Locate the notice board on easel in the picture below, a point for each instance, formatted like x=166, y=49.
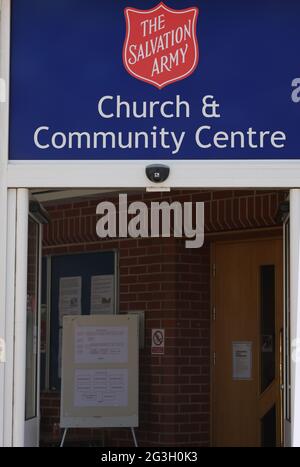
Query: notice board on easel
x=99, y=371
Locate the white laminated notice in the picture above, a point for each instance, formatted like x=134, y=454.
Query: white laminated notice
x=100, y=368
x=69, y=296
x=102, y=295
x=95, y=344
x=101, y=388
x=241, y=360
x=59, y=357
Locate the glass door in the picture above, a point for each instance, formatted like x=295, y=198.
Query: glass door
x=33, y=335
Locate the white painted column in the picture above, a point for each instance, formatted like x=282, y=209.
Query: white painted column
x=295, y=313
x=3, y=211
x=20, y=317
x=4, y=104
x=10, y=316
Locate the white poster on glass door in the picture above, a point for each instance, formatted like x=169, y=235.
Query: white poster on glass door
x=241, y=360
x=102, y=295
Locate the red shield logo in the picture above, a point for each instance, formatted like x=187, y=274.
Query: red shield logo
x=161, y=44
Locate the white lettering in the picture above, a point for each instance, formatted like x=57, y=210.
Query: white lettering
x=177, y=141
x=132, y=50
x=161, y=214
x=100, y=107
x=106, y=226
x=205, y=139
x=296, y=91
x=59, y=136
x=278, y=137
x=36, y=137
x=143, y=109
x=138, y=225
x=198, y=232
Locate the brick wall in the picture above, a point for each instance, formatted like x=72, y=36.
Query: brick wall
x=171, y=283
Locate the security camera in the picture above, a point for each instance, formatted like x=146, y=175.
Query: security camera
x=157, y=173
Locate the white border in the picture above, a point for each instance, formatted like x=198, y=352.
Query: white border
x=5, y=322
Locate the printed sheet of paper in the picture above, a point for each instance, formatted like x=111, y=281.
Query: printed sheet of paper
x=101, y=388
x=241, y=360
x=69, y=297
x=59, y=357
x=107, y=344
x=102, y=295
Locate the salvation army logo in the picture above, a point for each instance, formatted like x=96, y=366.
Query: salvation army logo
x=161, y=44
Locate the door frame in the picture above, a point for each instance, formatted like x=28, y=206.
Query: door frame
x=229, y=238
x=16, y=312
x=32, y=425
x=287, y=334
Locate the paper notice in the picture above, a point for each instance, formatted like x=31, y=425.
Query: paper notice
x=59, y=357
x=242, y=360
x=107, y=344
x=69, y=297
x=102, y=295
x=101, y=388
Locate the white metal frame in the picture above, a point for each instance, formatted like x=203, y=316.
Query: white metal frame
x=4, y=109
x=32, y=426
x=20, y=317
x=86, y=174
x=10, y=317
x=48, y=323
x=286, y=335
x=295, y=314
x=131, y=174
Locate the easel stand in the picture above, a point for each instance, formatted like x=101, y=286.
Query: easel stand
x=66, y=430
x=63, y=438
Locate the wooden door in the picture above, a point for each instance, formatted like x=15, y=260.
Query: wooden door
x=247, y=343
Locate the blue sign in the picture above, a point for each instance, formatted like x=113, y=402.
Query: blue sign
x=142, y=80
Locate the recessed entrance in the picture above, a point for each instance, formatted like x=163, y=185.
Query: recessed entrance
x=247, y=330
x=169, y=285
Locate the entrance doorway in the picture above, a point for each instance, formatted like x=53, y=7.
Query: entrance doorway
x=247, y=343
x=169, y=284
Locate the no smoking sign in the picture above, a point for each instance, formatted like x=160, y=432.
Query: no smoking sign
x=158, y=342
